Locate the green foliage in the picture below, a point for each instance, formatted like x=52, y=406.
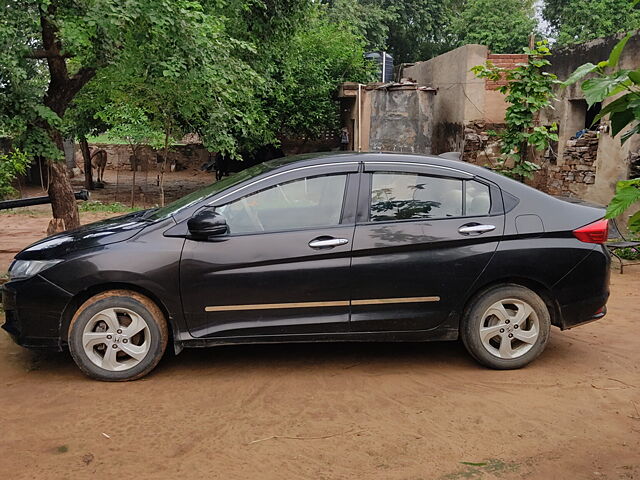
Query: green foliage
x=11, y=165
x=577, y=21
x=606, y=82
x=317, y=59
x=369, y=19
x=627, y=194
x=300, y=58
x=420, y=29
x=97, y=206
x=502, y=26
x=529, y=89
x=410, y=30
x=240, y=74
x=628, y=253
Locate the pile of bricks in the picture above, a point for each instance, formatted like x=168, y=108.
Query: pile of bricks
x=577, y=166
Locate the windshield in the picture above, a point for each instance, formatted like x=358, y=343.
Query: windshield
x=199, y=195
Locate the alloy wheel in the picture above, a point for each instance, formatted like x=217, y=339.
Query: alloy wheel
x=116, y=339
x=509, y=328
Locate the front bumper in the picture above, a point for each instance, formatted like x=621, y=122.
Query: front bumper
x=33, y=312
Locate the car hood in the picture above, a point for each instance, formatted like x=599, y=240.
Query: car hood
x=92, y=235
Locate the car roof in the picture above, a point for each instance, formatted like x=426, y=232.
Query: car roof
x=322, y=158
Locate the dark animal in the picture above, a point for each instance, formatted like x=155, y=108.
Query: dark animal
x=223, y=164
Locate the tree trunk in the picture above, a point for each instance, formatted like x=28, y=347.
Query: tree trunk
x=86, y=156
x=63, y=201
x=61, y=91
x=164, y=165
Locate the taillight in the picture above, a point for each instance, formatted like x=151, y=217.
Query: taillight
x=596, y=232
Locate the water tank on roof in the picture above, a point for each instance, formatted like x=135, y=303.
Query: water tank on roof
x=385, y=65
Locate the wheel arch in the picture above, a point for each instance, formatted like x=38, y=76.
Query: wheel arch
x=539, y=288
x=84, y=295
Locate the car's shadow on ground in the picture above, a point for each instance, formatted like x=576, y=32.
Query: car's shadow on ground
x=374, y=357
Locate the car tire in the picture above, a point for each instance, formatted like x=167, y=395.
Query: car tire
x=506, y=327
x=118, y=335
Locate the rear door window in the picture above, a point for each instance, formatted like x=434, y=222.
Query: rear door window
x=407, y=196
x=404, y=196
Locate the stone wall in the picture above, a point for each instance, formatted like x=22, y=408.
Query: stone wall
x=179, y=157
x=570, y=113
x=481, y=148
x=577, y=168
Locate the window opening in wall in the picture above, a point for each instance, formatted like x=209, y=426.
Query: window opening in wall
x=634, y=166
x=581, y=117
x=591, y=115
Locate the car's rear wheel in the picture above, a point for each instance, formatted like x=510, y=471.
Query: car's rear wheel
x=118, y=335
x=506, y=327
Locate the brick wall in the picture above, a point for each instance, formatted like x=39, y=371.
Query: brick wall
x=501, y=60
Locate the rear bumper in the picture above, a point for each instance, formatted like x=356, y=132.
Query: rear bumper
x=582, y=294
x=33, y=310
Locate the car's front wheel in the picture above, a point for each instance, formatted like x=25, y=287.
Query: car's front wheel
x=506, y=327
x=118, y=335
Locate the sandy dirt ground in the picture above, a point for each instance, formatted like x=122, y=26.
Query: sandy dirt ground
x=327, y=411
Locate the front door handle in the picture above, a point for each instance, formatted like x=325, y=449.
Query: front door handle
x=327, y=242
x=476, y=229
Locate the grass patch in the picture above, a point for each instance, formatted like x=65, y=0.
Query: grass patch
x=97, y=206
x=475, y=470
x=628, y=253
x=62, y=449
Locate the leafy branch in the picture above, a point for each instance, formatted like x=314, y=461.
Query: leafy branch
x=606, y=82
x=528, y=90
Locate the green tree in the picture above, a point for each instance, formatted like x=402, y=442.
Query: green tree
x=529, y=89
x=410, y=30
x=369, y=19
x=576, y=21
x=503, y=26
x=317, y=59
x=11, y=165
x=302, y=56
x=608, y=81
x=420, y=29
x=53, y=48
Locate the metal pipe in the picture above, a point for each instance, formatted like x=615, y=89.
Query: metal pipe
x=359, y=117
x=384, y=63
x=27, y=202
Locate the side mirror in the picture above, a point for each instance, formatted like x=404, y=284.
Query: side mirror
x=207, y=223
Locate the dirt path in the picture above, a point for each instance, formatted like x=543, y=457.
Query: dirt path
x=380, y=411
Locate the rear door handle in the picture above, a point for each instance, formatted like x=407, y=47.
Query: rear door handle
x=476, y=229
x=327, y=242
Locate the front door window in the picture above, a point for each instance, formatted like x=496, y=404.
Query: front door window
x=308, y=202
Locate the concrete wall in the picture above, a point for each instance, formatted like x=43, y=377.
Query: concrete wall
x=460, y=95
x=612, y=162
x=401, y=120
x=462, y=98
x=398, y=118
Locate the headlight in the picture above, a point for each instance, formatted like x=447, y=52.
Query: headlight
x=28, y=268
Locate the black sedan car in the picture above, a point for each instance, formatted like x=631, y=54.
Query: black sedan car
x=323, y=247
